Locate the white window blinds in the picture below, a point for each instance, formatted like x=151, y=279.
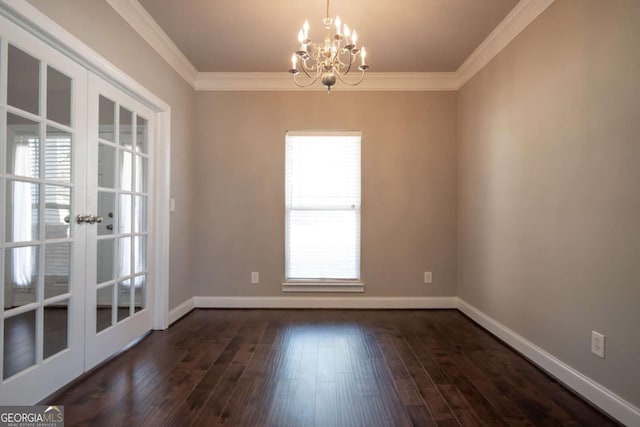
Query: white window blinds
x=322, y=206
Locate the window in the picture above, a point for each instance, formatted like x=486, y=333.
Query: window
x=322, y=206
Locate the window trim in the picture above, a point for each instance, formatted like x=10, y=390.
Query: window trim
x=319, y=284
x=342, y=286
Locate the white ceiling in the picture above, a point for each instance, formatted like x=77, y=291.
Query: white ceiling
x=259, y=35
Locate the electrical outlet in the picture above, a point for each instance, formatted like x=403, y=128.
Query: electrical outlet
x=255, y=277
x=428, y=277
x=597, y=344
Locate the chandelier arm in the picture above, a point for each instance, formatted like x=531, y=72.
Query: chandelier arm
x=304, y=69
x=313, y=80
x=351, y=84
x=350, y=63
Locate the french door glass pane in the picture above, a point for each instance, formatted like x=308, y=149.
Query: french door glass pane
x=106, y=119
x=104, y=306
x=106, y=208
x=142, y=135
x=124, y=256
x=124, y=299
x=124, y=213
x=57, y=155
x=126, y=128
x=57, y=261
x=23, y=146
x=23, y=81
x=22, y=212
x=20, y=276
x=19, y=343
x=58, y=97
x=56, y=328
x=106, y=166
x=140, y=254
x=125, y=172
x=140, y=215
x=106, y=250
x=140, y=292
x=141, y=174
x=57, y=215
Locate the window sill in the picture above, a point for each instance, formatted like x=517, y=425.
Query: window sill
x=322, y=286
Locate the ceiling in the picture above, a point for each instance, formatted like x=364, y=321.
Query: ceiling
x=260, y=35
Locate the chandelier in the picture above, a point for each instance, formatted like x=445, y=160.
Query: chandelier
x=331, y=59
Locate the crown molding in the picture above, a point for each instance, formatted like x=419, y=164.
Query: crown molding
x=512, y=25
x=282, y=81
x=140, y=20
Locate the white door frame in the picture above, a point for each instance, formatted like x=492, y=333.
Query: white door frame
x=44, y=28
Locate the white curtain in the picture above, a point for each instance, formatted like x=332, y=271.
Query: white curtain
x=22, y=263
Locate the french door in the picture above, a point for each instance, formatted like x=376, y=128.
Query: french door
x=119, y=151
x=75, y=160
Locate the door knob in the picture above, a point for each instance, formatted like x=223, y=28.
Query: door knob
x=82, y=218
x=91, y=219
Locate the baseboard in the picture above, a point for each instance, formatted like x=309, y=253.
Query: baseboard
x=326, y=302
x=181, y=310
x=600, y=396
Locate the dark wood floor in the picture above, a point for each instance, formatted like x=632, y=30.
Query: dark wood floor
x=322, y=368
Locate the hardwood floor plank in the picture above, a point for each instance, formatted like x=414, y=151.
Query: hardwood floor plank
x=485, y=384
x=212, y=409
x=437, y=406
x=463, y=411
x=419, y=415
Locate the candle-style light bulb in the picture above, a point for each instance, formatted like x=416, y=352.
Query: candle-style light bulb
x=338, y=25
x=347, y=31
x=305, y=27
x=354, y=37
x=363, y=54
x=294, y=62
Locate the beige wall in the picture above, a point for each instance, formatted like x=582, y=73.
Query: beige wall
x=549, y=196
x=100, y=27
x=408, y=187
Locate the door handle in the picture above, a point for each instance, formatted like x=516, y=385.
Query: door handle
x=91, y=219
